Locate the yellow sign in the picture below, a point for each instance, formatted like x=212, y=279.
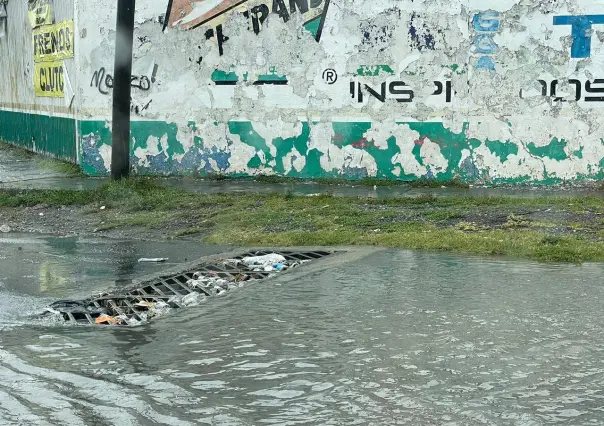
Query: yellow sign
x=40, y=15
x=49, y=80
x=52, y=42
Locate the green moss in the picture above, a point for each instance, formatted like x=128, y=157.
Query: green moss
x=58, y=166
x=16, y=150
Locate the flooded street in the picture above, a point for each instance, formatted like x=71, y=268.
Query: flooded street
x=398, y=338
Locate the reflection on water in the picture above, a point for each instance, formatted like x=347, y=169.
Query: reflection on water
x=52, y=268
x=401, y=337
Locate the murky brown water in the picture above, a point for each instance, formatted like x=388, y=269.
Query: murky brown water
x=399, y=338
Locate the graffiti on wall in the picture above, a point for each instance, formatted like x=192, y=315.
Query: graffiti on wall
x=399, y=120
x=213, y=14
x=103, y=81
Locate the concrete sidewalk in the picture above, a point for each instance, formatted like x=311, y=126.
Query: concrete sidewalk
x=26, y=172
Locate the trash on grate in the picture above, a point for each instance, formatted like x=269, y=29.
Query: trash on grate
x=191, y=299
x=158, y=309
x=268, y=262
x=107, y=319
x=154, y=298
x=263, y=261
x=144, y=305
x=207, y=282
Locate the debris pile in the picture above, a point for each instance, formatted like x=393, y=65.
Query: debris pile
x=152, y=299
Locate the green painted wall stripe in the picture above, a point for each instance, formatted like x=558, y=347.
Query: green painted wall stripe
x=54, y=136
x=273, y=156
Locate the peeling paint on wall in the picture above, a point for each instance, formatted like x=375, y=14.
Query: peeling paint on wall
x=491, y=91
x=42, y=124
x=396, y=90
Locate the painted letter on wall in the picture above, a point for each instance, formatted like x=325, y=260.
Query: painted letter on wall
x=53, y=42
x=49, y=80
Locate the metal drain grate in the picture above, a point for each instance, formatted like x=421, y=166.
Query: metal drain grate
x=153, y=298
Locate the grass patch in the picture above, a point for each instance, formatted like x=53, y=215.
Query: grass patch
x=515, y=221
x=58, y=166
x=55, y=197
x=467, y=226
x=443, y=215
x=15, y=150
x=425, y=222
x=276, y=179
x=216, y=177
x=366, y=181
x=46, y=163
x=188, y=231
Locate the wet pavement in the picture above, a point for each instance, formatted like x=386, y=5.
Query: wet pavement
x=48, y=268
x=24, y=172
x=398, y=337
x=380, y=192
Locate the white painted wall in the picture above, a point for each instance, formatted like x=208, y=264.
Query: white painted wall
x=486, y=106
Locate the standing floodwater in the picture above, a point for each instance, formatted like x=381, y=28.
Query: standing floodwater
x=403, y=337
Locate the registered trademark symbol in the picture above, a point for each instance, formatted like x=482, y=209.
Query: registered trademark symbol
x=330, y=76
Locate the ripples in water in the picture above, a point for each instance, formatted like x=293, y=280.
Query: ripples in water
x=399, y=338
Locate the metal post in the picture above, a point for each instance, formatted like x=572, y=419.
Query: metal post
x=122, y=72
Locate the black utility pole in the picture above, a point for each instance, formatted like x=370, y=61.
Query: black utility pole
x=122, y=72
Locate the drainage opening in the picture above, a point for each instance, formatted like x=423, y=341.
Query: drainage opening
x=137, y=305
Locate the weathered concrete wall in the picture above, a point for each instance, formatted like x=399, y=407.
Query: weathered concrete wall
x=489, y=91
x=35, y=120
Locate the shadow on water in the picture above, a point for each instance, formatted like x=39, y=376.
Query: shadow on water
x=126, y=259
x=121, y=255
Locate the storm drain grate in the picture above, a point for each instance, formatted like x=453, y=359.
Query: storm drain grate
x=153, y=298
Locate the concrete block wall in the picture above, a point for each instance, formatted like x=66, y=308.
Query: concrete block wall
x=502, y=91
